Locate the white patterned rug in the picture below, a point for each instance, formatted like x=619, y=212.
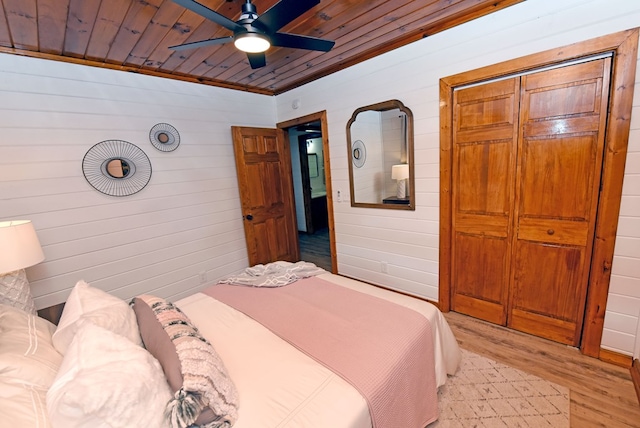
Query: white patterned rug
x=488, y=394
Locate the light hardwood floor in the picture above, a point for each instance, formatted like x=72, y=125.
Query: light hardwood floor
x=602, y=394
x=315, y=248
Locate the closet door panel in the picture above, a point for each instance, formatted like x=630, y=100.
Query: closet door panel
x=480, y=266
x=560, y=149
x=481, y=168
x=558, y=175
x=485, y=132
x=538, y=271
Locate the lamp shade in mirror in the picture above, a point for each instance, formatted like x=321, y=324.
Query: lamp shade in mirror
x=400, y=172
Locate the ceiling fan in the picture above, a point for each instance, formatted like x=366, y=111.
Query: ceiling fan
x=254, y=34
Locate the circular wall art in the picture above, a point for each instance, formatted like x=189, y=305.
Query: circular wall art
x=164, y=137
x=358, y=153
x=116, y=168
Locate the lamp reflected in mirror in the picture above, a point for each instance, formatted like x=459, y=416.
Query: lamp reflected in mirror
x=400, y=173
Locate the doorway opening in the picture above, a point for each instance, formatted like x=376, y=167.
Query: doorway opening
x=306, y=138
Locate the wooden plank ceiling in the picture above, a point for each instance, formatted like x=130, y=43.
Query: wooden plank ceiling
x=134, y=35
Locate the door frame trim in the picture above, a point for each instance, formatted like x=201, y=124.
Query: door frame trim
x=322, y=117
x=624, y=46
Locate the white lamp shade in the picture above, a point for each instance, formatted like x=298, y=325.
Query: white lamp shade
x=400, y=172
x=19, y=246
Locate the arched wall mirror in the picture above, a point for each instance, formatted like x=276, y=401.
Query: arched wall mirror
x=380, y=145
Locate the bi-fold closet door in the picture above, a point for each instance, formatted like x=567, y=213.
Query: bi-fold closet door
x=527, y=161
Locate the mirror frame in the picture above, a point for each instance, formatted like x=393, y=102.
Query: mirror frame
x=164, y=137
x=95, y=167
x=385, y=106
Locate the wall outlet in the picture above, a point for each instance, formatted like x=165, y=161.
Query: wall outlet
x=203, y=277
x=383, y=267
x=339, y=196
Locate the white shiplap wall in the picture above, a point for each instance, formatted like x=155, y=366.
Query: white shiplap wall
x=185, y=224
x=408, y=241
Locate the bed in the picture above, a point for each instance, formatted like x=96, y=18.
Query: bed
x=100, y=373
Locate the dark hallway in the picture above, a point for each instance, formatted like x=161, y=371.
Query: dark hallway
x=315, y=248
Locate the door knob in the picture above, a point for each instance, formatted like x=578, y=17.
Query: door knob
x=551, y=232
x=249, y=217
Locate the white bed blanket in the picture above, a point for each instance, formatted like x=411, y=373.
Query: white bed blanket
x=281, y=387
x=274, y=274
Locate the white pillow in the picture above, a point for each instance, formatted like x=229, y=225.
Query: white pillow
x=28, y=366
x=22, y=404
x=26, y=352
x=87, y=303
x=107, y=381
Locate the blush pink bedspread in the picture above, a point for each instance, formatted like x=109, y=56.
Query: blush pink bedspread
x=384, y=350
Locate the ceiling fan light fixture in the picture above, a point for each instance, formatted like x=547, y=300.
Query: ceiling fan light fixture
x=254, y=34
x=251, y=42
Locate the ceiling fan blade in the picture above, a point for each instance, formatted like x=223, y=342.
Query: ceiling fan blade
x=284, y=12
x=257, y=60
x=202, y=43
x=296, y=41
x=209, y=14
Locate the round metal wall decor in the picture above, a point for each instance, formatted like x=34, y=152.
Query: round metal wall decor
x=358, y=153
x=116, y=168
x=164, y=137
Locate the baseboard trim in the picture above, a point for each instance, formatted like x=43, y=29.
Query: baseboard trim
x=616, y=358
x=635, y=377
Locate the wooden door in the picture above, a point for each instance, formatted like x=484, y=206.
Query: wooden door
x=527, y=160
x=563, y=116
x=264, y=177
x=484, y=163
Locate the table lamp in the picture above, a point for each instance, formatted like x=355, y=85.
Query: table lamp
x=400, y=173
x=19, y=249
